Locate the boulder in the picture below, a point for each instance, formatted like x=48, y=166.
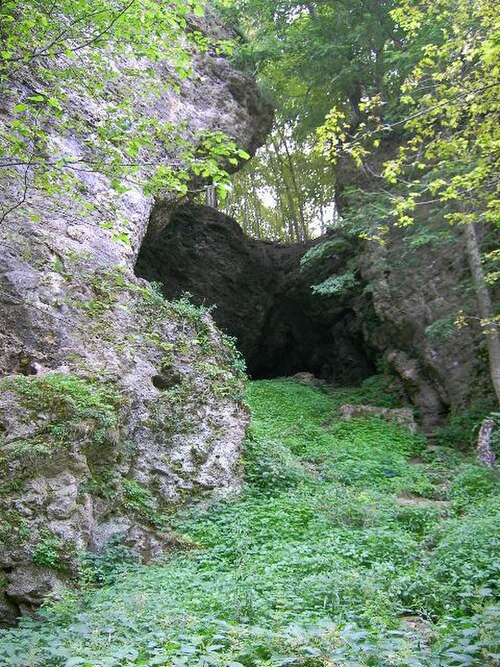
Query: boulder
x=400, y=416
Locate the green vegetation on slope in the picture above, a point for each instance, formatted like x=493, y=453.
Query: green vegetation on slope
x=352, y=544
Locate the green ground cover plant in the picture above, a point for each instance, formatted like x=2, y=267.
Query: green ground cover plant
x=74, y=407
x=351, y=544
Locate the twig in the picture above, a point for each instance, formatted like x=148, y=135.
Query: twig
x=423, y=112
x=24, y=195
x=64, y=32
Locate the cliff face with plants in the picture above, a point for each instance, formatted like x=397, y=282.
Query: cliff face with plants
x=418, y=289
x=427, y=332
x=114, y=404
x=336, y=306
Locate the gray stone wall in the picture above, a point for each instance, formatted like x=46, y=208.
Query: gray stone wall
x=113, y=404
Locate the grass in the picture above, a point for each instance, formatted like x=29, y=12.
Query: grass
x=344, y=549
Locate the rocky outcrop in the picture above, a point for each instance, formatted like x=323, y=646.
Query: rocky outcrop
x=113, y=403
x=400, y=416
x=262, y=296
x=399, y=311
x=418, y=287
x=419, y=282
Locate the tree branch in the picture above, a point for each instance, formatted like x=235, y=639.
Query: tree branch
x=25, y=187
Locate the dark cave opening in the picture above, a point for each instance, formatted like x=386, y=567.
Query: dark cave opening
x=262, y=297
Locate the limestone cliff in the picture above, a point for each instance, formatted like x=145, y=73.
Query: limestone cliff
x=113, y=403
x=419, y=280
x=417, y=291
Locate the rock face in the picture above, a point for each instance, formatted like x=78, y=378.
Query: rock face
x=399, y=312
x=419, y=281
x=401, y=416
x=417, y=291
x=262, y=297
x=113, y=403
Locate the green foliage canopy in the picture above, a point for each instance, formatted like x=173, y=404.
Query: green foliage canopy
x=64, y=63
x=312, y=55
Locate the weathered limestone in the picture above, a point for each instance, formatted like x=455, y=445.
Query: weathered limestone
x=400, y=416
x=113, y=404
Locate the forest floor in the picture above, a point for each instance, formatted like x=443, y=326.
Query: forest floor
x=352, y=544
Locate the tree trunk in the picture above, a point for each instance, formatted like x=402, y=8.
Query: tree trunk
x=322, y=228
x=298, y=194
x=211, y=197
x=257, y=210
x=312, y=11
x=484, y=305
x=292, y=218
x=484, y=452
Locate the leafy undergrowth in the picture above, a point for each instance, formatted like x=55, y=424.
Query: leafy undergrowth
x=351, y=545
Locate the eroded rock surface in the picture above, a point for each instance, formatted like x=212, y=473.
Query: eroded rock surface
x=113, y=404
x=400, y=416
x=417, y=291
x=419, y=282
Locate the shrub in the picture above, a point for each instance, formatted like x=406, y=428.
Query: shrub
x=49, y=553
x=336, y=284
x=270, y=466
x=472, y=484
x=99, y=569
x=461, y=429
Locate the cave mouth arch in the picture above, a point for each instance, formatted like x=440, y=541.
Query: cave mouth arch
x=262, y=297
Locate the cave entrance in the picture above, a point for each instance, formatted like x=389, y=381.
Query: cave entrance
x=262, y=297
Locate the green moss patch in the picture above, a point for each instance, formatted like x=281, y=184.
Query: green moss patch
x=68, y=408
